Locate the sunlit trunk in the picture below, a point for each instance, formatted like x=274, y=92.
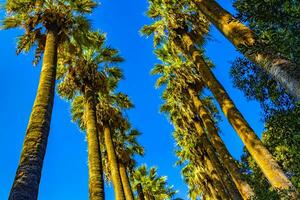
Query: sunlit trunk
x=125, y=182
x=282, y=70
x=229, y=163
x=28, y=175
x=96, y=186
x=113, y=163
x=214, y=166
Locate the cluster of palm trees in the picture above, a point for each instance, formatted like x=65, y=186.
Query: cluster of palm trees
x=87, y=73
x=179, y=30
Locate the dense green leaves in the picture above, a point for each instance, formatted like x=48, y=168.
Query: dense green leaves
x=39, y=17
x=154, y=186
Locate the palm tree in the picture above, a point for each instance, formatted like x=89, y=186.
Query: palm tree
x=174, y=27
x=82, y=74
x=154, y=187
x=110, y=118
x=126, y=147
x=243, y=38
x=47, y=25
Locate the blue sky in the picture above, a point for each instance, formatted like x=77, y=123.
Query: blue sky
x=65, y=172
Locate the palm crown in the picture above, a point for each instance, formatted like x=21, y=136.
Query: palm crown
x=38, y=17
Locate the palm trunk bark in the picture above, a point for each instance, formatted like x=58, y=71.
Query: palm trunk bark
x=253, y=144
x=140, y=192
x=100, y=161
x=203, y=176
x=229, y=163
x=211, y=187
x=125, y=182
x=282, y=70
x=28, y=175
x=96, y=186
x=214, y=164
x=112, y=159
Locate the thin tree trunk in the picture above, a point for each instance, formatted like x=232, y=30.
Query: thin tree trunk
x=229, y=163
x=209, y=162
x=96, y=186
x=125, y=182
x=282, y=70
x=214, y=165
x=100, y=161
x=112, y=159
x=28, y=175
x=202, y=175
x=140, y=192
x=253, y=144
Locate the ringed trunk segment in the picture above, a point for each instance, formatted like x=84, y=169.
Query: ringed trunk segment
x=112, y=160
x=28, y=175
x=101, y=164
x=96, y=186
x=125, y=182
x=261, y=155
x=282, y=70
x=140, y=192
x=244, y=188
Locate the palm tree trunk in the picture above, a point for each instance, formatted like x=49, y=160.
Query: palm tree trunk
x=253, y=144
x=149, y=197
x=214, y=166
x=140, y=192
x=282, y=70
x=28, y=175
x=229, y=163
x=203, y=176
x=96, y=186
x=100, y=162
x=125, y=182
x=213, y=191
x=112, y=159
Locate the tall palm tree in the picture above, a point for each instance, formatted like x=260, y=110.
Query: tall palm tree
x=110, y=117
x=82, y=74
x=47, y=25
x=243, y=38
x=127, y=146
x=172, y=26
x=154, y=187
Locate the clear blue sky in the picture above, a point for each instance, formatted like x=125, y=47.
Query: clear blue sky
x=65, y=172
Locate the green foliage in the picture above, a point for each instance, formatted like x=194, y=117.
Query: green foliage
x=38, y=17
x=152, y=184
x=276, y=22
x=257, y=85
